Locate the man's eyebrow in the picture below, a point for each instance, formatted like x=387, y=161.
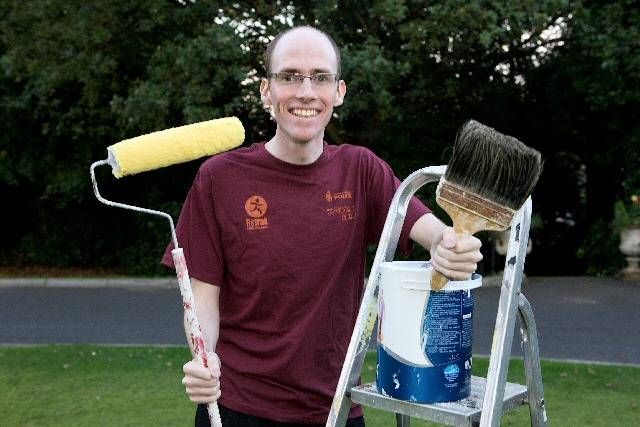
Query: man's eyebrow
x=288, y=70
x=297, y=71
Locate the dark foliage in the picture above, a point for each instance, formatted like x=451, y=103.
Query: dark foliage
x=77, y=76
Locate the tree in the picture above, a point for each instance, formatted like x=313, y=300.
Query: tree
x=82, y=76
x=560, y=75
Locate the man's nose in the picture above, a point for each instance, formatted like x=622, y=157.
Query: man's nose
x=306, y=89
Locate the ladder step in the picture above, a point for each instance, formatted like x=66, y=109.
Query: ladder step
x=463, y=413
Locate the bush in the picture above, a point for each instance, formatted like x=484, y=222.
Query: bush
x=599, y=250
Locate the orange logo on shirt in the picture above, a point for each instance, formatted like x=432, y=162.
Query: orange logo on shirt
x=345, y=212
x=256, y=208
x=328, y=197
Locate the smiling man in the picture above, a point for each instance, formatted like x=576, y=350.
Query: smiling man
x=275, y=236
x=302, y=88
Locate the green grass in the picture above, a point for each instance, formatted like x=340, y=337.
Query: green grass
x=80, y=385
x=93, y=386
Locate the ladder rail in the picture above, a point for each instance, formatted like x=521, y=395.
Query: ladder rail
x=368, y=312
x=533, y=373
x=403, y=420
x=506, y=317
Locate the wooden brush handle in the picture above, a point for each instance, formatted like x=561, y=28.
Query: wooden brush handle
x=465, y=223
x=438, y=280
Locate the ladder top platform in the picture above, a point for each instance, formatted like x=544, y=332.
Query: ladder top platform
x=463, y=413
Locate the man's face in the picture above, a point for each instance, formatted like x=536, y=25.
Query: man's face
x=302, y=111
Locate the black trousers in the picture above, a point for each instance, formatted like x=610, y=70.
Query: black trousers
x=231, y=418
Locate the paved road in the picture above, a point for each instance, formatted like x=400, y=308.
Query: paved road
x=580, y=318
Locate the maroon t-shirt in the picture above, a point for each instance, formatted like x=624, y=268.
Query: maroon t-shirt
x=286, y=243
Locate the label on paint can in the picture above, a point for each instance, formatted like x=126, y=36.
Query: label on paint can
x=451, y=372
x=448, y=326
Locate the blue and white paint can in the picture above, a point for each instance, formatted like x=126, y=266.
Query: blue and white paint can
x=424, y=336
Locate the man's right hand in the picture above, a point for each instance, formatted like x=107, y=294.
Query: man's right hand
x=202, y=384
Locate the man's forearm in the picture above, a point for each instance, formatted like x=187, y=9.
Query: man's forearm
x=426, y=230
x=206, y=297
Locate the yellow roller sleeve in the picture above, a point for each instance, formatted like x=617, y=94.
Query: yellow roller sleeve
x=176, y=145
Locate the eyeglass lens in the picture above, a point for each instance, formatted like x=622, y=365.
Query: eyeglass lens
x=319, y=79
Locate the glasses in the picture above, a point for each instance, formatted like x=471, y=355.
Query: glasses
x=295, y=79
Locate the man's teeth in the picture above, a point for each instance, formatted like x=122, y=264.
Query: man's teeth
x=304, y=113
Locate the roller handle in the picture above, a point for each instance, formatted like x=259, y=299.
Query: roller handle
x=195, y=332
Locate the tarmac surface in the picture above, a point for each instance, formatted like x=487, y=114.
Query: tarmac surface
x=578, y=318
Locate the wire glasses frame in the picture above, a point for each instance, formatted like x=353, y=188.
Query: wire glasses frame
x=296, y=79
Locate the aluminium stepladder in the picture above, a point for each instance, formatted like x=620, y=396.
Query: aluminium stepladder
x=489, y=397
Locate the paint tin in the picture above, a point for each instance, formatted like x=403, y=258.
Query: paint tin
x=424, y=336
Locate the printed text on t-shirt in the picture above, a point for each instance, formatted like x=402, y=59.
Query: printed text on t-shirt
x=345, y=212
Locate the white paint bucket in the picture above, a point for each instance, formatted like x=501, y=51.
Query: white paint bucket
x=424, y=336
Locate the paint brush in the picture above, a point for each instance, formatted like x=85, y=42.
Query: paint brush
x=489, y=177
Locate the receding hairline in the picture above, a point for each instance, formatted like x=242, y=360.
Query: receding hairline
x=271, y=47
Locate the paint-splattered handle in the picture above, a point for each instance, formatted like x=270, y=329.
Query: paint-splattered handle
x=195, y=332
x=214, y=415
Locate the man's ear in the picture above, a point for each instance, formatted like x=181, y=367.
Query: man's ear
x=342, y=91
x=265, y=93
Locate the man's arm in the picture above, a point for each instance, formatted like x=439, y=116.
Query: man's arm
x=207, y=300
x=202, y=384
x=455, y=257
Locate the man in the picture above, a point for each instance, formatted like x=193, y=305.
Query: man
x=275, y=236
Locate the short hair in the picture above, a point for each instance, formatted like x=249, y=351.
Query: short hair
x=272, y=45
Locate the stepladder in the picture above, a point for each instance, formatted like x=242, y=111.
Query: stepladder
x=490, y=397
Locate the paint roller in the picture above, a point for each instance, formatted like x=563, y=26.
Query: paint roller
x=164, y=148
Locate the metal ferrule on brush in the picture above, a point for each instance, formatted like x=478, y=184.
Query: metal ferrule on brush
x=474, y=204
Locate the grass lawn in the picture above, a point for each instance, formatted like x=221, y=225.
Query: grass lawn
x=82, y=385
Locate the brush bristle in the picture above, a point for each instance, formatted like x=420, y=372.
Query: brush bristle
x=492, y=165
